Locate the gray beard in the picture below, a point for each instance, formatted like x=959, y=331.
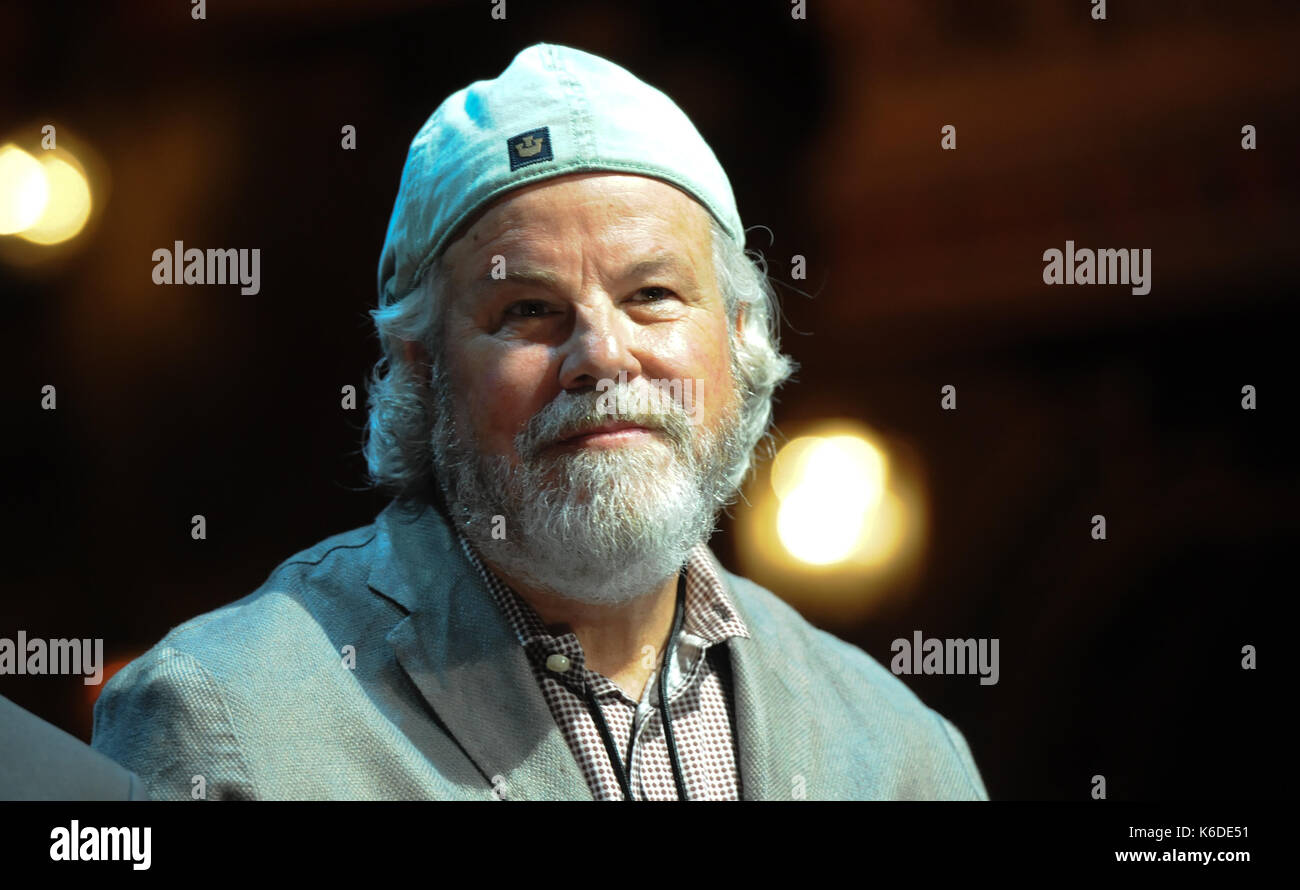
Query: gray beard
x=600, y=526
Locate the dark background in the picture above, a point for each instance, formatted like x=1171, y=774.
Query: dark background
x=1119, y=657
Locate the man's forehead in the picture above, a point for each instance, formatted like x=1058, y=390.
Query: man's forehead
x=625, y=223
x=656, y=264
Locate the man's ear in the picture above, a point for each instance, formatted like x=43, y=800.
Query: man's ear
x=740, y=318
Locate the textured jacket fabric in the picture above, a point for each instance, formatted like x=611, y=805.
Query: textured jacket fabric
x=375, y=665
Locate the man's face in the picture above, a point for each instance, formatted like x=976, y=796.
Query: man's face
x=602, y=283
x=603, y=274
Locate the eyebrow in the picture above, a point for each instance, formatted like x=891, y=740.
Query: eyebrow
x=659, y=263
x=526, y=275
x=538, y=277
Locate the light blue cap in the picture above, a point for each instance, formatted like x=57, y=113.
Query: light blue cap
x=554, y=110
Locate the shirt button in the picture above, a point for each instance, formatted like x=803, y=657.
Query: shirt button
x=557, y=662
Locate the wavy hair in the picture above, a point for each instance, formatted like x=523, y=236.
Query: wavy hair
x=397, y=438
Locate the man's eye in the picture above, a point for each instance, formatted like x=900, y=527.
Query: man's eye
x=654, y=294
x=527, y=309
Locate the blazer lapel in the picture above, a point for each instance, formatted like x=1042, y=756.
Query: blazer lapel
x=460, y=653
x=774, y=729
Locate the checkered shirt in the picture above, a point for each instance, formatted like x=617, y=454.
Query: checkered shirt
x=699, y=694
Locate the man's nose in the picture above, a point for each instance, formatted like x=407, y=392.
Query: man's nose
x=598, y=348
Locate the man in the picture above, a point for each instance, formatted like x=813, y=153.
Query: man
x=579, y=361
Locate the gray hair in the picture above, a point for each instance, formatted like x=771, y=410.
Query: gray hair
x=397, y=443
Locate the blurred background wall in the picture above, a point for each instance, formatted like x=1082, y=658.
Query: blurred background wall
x=924, y=269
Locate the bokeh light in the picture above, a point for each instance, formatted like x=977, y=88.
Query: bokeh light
x=24, y=190
x=838, y=522
x=830, y=491
x=68, y=206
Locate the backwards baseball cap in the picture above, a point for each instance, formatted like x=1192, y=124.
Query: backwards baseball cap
x=554, y=110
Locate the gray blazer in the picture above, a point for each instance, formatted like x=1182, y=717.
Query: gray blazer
x=263, y=699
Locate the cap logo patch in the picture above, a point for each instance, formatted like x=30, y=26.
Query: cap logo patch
x=531, y=147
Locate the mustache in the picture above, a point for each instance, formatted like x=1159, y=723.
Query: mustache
x=569, y=413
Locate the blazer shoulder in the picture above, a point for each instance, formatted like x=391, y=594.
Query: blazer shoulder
x=320, y=584
x=204, y=693
x=779, y=622
x=349, y=550
x=167, y=720
x=868, y=694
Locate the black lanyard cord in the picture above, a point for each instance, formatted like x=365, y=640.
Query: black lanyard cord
x=678, y=617
x=624, y=775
